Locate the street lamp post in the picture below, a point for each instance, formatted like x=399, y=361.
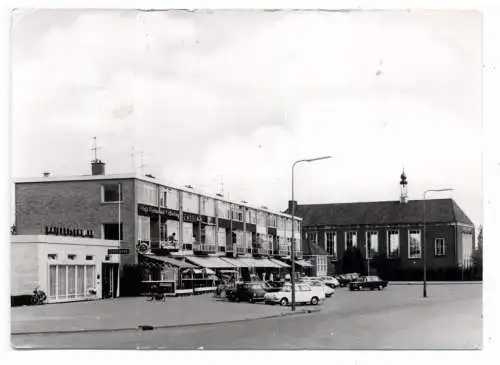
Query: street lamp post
x=424, y=245
x=292, y=250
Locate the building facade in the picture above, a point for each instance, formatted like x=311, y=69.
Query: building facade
x=393, y=230
x=64, y=268
x=148, y=217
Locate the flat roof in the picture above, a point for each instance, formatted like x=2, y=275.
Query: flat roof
x=64, y=240
x=42, y=179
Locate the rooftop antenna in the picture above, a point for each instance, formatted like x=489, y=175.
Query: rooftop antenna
x=132, y=156
x=94, y=148
x=142, y=163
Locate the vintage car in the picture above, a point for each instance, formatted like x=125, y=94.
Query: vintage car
x=328, y=290
x=248, y=292
x=330, y=281
x=304, y=294
x=371, y=282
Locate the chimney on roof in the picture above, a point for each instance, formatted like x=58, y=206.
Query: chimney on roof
x=404, y=188
x=46, y=174
x=98, y=167
x=291, y=203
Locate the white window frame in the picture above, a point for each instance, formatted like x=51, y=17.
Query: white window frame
x=438, y=240
x=321, y=265
x=368, y=241
x=388, y=234
x=334, y=234
x=409, y=244
x=312, y=236
x=353, y=234
x=120, y=189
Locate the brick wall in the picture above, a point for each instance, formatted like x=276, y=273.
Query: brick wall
x=75, y=204
x=448, y=232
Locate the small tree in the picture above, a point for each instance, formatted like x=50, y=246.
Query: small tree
x=477, y=255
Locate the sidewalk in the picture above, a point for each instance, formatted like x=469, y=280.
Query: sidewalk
x=434, y=282
x=130, y=313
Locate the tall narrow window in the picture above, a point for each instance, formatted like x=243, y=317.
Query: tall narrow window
x=80, y=281
x=439, y=247
x=61, y=281
x=331, y=243
x=372, y=243
x=414, y=244
x=312, y=237
x=71, y=281
x=52, y=281
x=393, y=243
x=351, y=239
x=89, y=278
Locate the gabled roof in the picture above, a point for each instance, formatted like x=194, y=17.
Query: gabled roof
x=384, y=212
x=311, y=249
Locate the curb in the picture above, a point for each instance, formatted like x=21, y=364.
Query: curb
x=435, y=282
x=145, y=327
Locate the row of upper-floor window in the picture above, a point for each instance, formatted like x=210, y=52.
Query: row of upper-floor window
x=372, y=241
x=195, y=203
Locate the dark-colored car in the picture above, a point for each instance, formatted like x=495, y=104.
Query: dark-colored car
x=273, y=286
x=247, y=292
x=371, y=282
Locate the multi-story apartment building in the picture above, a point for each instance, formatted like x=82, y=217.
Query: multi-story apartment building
x=147, y=216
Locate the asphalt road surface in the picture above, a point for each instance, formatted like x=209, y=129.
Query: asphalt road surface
x=395, y=318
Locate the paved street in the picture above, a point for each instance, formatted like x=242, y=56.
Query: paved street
x=396, y=318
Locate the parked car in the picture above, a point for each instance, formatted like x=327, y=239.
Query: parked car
x=343, y=280
x=303, y=294
x=250, y=292
x=328, y=290
x=273, y=286
x=371, y=282
x=330, y=281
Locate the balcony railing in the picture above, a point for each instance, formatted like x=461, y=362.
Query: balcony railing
x=284, y=252
x=187, y=246
x=204, y=248
x=259, y=250
x=240, y=250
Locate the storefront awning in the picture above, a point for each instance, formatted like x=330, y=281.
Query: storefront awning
x=303, y=263
x=168, y=260
x=235, y=262
x=210, y=262
x=281, y=264
x=260, y=263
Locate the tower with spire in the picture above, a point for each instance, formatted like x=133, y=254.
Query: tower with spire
x=404, y=188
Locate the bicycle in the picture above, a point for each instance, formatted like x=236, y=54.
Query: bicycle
x=38, y=297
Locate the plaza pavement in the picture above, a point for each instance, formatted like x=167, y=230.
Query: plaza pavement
x=130, y=313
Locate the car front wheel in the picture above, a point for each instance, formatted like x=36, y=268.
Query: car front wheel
x=284, y=302
x=380, y=287
x=314, y=300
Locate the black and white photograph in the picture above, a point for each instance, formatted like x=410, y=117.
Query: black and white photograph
x=246, y=179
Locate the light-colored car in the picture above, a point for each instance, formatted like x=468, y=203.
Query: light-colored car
x=330, y=281
x=304, y=293
x=329, y=291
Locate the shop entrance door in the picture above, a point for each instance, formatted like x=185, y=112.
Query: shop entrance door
x=109, y=280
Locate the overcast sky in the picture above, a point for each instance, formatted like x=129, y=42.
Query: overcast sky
x=235, y=97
